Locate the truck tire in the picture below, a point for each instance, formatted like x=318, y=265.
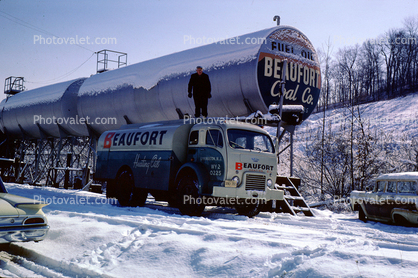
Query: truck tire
x=110, y=189
x=125, y=187
x=140, y=197
x=127, y=194
x=250, y=210
x=188, y=198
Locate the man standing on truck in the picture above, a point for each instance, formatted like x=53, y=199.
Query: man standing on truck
x=199, y=84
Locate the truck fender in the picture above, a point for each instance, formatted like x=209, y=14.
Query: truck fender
x=199, y=170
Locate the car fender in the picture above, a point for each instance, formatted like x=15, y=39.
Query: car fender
x=410, y=216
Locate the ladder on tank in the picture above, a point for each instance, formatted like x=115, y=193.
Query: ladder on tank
x=293, y=202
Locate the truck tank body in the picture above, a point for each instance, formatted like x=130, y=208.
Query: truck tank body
x=244, y=71
x=154, y=151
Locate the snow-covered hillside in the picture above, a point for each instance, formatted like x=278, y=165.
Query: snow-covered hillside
x=380, y=137
x=91, y=237
x=396, y=118
x=397, y=115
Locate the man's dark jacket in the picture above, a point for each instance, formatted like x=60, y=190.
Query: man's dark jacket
x=200, y=85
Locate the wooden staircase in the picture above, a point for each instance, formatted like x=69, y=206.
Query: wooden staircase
x=293, y=202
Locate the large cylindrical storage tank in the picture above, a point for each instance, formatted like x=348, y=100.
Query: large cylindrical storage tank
x=244, y=71
x=49, y=111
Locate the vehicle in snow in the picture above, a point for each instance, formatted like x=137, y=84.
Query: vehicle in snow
x=394, y=199
x=21, y=219
x=190, y=165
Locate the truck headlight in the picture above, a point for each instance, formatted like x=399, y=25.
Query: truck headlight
x=269, y=183
x=236, y=179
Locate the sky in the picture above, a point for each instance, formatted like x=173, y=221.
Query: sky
x=49, y=41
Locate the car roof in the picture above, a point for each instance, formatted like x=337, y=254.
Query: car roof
x=405, y=176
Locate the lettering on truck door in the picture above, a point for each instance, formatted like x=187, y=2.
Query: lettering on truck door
x=213, y=156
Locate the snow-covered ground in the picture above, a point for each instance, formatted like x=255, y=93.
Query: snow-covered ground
x=91, y=237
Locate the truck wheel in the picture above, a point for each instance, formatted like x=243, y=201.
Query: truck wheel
x=110, y=189
x=362, y=215
x=250, y=210
x=140, y=197
x=125, y=190
x=188, y=199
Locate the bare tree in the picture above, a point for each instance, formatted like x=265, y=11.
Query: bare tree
x=347, y=58
x=371, y=64
x=326, y=89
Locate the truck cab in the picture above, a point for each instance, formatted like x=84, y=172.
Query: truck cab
x=191, y=165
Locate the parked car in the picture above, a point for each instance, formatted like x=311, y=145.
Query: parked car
x=394, y=199
x=21, y=219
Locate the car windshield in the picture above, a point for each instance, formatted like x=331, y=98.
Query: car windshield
x=249, y=140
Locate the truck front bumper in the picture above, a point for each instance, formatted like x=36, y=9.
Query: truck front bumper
x=241, y=193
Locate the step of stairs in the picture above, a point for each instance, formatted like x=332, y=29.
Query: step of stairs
x=293, y=202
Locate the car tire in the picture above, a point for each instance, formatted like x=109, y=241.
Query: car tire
x=400, y=220
x=362, y=215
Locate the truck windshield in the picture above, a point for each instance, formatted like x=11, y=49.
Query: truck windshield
x=249, y=140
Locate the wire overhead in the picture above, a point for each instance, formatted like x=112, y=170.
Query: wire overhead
x=64, y=75
x=35, y=28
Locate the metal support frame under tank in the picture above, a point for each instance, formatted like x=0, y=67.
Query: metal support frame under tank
x=58, y=162
x=289, y=116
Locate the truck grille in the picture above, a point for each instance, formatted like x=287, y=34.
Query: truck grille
x=255, y=182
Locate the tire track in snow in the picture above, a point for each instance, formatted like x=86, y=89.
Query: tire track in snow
x=340, y=238
x=350, y=227
x=339, y=232
x=291, y=247
x=279, y=244
x=17, y=261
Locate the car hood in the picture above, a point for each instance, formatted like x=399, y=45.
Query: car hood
x=9, y=203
